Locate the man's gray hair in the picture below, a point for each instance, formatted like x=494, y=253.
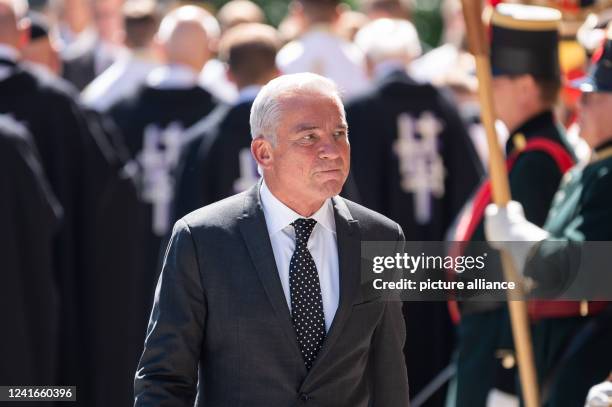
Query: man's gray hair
x=266, y=109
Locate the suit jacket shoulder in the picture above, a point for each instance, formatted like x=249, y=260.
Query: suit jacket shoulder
x=219, y=215
x=373, y=225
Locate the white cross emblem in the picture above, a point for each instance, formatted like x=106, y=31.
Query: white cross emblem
x=420, y=165
x=158, y=158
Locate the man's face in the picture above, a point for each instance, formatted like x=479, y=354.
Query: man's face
x=595, y=118
x=310, y=159
x=516, y=98
x=504, y=99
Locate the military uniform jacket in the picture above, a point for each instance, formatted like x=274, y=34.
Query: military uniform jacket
x=581, y=211
x=572, y=351
x=535, y=175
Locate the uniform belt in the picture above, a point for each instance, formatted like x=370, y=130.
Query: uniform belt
x=539, y=309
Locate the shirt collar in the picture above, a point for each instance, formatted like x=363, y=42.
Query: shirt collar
x=8, y=53
x=248, y=94
x=173, y=76
x=279, y=216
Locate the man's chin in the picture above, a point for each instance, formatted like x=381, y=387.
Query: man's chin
x=331, y=187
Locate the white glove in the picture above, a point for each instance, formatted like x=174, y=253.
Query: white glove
x=498, y=398
x=508, y=224
x=600, y=395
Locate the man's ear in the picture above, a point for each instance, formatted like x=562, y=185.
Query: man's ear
x=261, y=149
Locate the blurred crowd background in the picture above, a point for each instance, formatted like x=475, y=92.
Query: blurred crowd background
x=120, y=116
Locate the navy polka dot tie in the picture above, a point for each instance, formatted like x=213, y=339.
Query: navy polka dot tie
x=306, y=299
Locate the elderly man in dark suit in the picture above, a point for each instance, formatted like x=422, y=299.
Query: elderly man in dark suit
x=259, y=302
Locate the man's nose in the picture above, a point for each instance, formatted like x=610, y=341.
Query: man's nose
x=329, y=150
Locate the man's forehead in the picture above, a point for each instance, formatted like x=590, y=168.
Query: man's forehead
x=298, y=95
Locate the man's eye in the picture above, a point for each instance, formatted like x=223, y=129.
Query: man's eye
x=340, y=134
x=308, y=137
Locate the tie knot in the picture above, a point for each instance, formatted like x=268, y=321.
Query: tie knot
x=303, y=228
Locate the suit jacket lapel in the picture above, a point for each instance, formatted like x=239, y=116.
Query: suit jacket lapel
x=253, y=228
x=349, y=260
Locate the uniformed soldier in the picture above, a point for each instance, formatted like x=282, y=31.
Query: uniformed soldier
x=571, y=339
x=526, y=84
x=413, y=161
x=218, y=162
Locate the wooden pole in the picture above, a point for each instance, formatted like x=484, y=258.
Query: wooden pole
x=500, y=191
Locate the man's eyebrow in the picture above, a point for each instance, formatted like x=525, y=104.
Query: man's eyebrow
x=304, y=127
x=307, y=126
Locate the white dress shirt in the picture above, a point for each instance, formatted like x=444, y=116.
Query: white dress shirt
x=322, y=246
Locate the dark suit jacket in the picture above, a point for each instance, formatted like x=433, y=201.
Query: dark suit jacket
x=220, y=312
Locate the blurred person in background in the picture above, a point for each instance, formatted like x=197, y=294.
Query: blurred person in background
x=42, y=49
x=29, y=219
x=413, y=162
x=212, y=76
x=151, y=122
x=573, y=61
x=131, y=70
x=97, y=46
x=218, y=163
x=291, y=26
x=236, y=12
x=320, y=50
x=374, y=9
x=349, y=23
x=78, y=165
